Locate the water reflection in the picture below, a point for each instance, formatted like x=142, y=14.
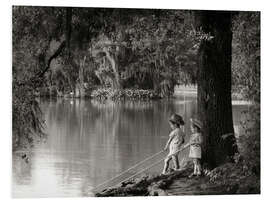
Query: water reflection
x=90, y=142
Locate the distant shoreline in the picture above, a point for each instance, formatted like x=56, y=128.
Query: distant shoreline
x=191, y=90
x=179, y=91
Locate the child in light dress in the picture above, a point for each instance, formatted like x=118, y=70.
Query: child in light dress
x=176, y=139
x=195, y=142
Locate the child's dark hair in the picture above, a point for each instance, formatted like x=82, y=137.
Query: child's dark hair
x=177, y=124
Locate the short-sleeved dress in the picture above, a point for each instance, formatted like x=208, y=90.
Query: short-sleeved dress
x=177, y=140
x=195, y=147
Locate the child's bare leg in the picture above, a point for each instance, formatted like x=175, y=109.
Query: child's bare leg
x=166, y=164
x=175, y=162
x=195, y=166
x=199, y=167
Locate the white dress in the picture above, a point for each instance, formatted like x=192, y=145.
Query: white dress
x=195, y=146
x=176, y=142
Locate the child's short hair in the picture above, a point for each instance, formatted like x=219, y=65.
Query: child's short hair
x=174, y=123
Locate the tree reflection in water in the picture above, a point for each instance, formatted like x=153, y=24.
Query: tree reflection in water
x=91, y=141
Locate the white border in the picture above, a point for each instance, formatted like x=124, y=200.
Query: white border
x=168, y=4
x=5, y=89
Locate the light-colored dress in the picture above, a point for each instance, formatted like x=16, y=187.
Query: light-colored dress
x=195, y=146
x=177, y=140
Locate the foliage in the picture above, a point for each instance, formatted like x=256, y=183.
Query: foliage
x=246, y=55
x=235, y=178
x=27, y=118
x=246, y=68
x=33, y=30
x=116, y=94
x=150, y=47
x=249, y=141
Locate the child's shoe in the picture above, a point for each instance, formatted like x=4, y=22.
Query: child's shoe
x=164, y=173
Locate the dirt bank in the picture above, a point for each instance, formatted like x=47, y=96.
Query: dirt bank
x=178, y=183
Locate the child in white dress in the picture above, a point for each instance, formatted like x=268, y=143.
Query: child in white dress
x=176, y=139
x=195, y=142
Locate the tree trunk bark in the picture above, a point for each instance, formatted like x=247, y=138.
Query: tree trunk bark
x=214, y=87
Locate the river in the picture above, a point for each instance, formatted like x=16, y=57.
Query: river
x=90, y=142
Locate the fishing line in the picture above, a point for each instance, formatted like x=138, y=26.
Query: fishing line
x=129, y=169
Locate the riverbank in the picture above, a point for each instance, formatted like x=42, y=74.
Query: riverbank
x=102, y=93
x=229, y=178
x=145, y=185
x=191, y=90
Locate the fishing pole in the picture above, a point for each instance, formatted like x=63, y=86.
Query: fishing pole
x=129, y=169
x=152, y=165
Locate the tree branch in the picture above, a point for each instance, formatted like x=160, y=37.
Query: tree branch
x=56, y=53
x=41, y=74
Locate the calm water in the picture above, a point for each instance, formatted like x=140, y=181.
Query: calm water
x=90, y=142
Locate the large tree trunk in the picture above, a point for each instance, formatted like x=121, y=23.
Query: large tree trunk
x=214, y=87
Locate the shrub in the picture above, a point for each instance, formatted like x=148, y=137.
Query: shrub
x=249, y=141
x=119, y=94
x=27, y=118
